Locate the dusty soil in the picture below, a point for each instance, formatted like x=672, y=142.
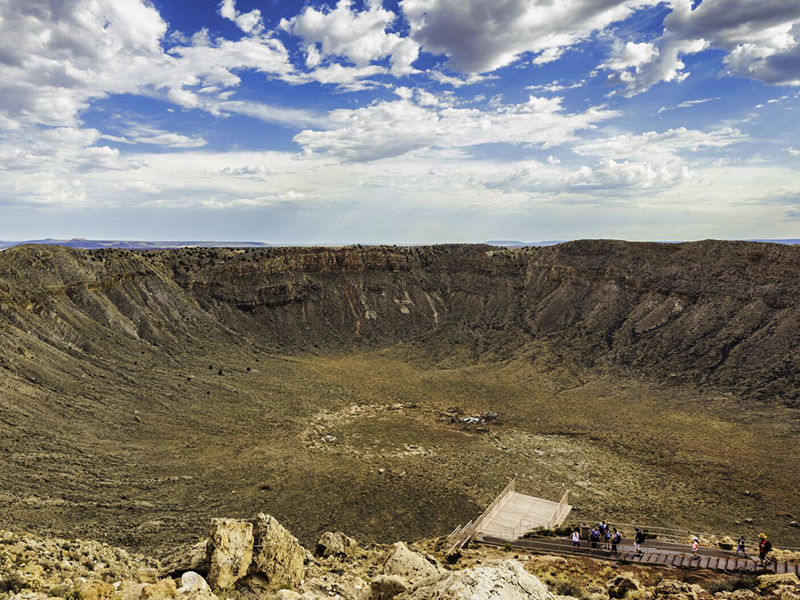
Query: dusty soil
x=143, y=394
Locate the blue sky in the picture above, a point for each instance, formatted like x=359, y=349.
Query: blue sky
x=418, y=121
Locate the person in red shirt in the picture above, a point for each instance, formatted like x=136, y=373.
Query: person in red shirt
x=764, y=548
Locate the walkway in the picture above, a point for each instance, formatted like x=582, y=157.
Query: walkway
x=655, y=553
x=518, y=509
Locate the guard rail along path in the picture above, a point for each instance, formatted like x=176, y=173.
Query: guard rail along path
x=510, y=515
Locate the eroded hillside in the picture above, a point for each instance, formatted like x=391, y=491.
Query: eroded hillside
x=329, y=384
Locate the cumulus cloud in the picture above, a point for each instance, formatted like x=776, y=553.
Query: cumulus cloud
x=360, y=37
x=261, y=172
x=57, y=57
x=480, y=36
x=631, y=55
x=762, y=38
x=659, y=147
x=393, y=128
x=761, y=41
x=607, y=177
x=250, y=22
x=639, y=67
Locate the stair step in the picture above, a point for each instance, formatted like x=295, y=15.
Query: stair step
x=780, y=569
x=704, y=560
x=662, y=559
x=712, y=562
x=731, y=564
x=741, y=564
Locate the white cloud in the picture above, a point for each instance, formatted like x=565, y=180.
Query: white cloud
x=793, y=152
x=631, y=55
x=607, y=177
x=688, y=104
x=639, y=67
x=261, y=172
x=172, y=140
x=55, y=58
x=457, y=82
x=763, y=38
x=556, y=86
x=659, y=147
x=480, y=36
x=387, y=129
x=360, y=37
x=250, y=22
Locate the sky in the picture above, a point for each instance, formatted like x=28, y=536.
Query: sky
x=399, y=122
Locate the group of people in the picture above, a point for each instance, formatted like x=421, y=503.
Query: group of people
x=601, y=534
x=604, y=537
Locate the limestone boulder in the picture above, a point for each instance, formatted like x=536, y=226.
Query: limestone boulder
x=147, y=575
x=163, y=590
x=501, y=579
x=386, y=587
x=229, y=551
x=278, y=557
x=620, y=585
x=194, y=587
x=409, y=565
x=674, y=590
x=129, y=590
x=194, y=558
x=335, y=544
x=772, y=581
x=347, y=586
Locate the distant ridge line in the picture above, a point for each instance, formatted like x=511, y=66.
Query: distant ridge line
x=518, y=244
x=85, y=244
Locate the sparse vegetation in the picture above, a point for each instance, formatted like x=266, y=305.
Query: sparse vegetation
x=732, y=583
x=582, y=380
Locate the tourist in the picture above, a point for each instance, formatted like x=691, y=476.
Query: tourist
x=740, y=546
x=695, y=547
x=594, y=537
x=638, y=540
x=764, y=548
x=615, y=540
x=576, y=539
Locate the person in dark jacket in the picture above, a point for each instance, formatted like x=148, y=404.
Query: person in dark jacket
x=638, y=540
x=615, y=540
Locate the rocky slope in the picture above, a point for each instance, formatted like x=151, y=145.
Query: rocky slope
x=658, y=381
x=259, y=559
x=711, y=313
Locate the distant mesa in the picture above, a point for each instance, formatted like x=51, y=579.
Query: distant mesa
x=518, y=244
x=84, y=244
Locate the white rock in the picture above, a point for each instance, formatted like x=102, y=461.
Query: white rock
x=502, y=579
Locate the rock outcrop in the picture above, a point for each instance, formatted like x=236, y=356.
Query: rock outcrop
x=335, y=544
x=674, y=590
x=230, y=551
x=409, y=565
x=619, y=586
x=277, y=556
x=386, y=587
x=503, y=579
